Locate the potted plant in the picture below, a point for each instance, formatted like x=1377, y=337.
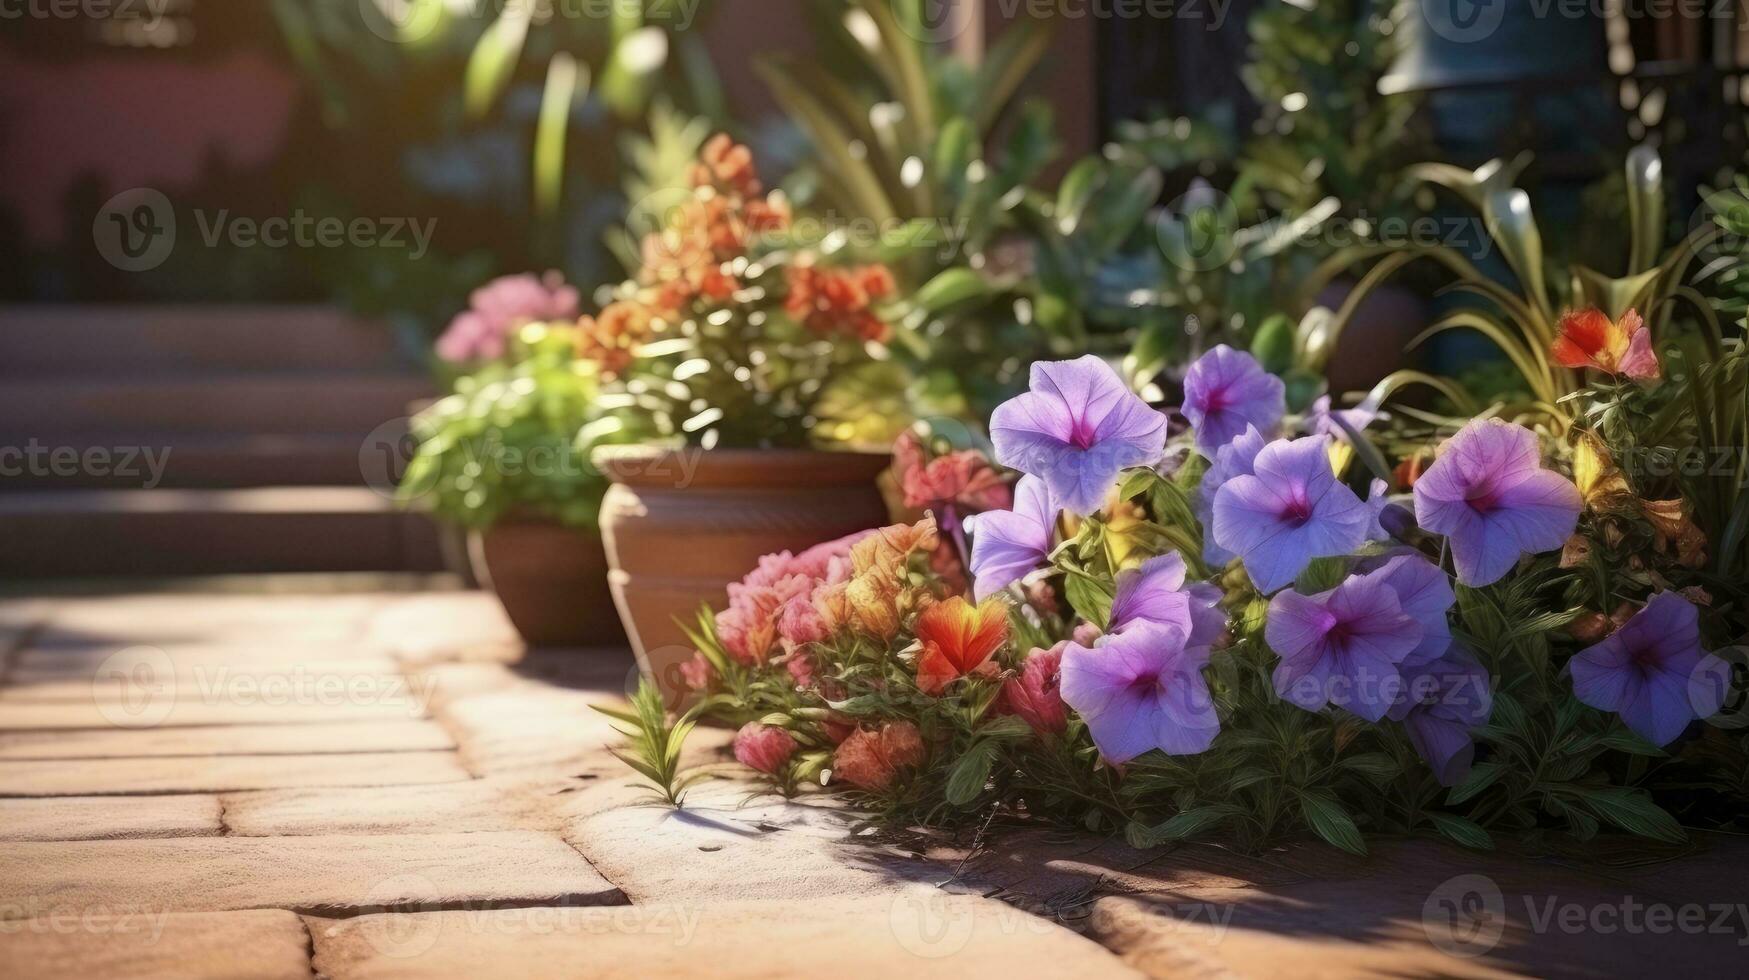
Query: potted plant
x=725, y=356
x=507, y=458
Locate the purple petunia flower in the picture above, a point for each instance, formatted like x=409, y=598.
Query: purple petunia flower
x=1288, y=512
x=1424, y=594
x=1489, y=495
x=1652, y=672
x=1008, y=545
x=1141, y=690
x=1442, y=701
x=1076, y=428
x=1155, y=593
x=1320, y=420
x=1226, y=390
x=1341, y=647
x=1235, y=459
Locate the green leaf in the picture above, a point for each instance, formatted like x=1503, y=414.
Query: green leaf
x=1481, y=777
x=970, y=773
x=1091, y=599
x=1626, y=741
x=956, y=285
x=566, y=82
x=1634, y=812
x=1373, y=765
x=494, y=59
x=1465, y=832
x=1330, y=821
x=1194, y=821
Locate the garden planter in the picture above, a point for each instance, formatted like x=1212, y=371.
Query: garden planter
x=552, y=580
x=1376, y=340
x=680, y=525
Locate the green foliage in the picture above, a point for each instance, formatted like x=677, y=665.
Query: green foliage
x=654, y=745
x=515, y=438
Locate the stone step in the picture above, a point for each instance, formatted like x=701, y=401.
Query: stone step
x=211, y=532
x=348, y=403
x=130, y=340
x=152, y=460
x=333, y=874
x=224, y=773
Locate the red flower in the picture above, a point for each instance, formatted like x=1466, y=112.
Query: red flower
x=763, y=748
x=836, y=301
x=1589, y=340
x=958, y=638
x=872, y=760
x=1034, y=695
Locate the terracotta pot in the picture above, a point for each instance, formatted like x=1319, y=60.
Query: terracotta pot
x=1375, y=342
x=681, y=525
x=552, y=580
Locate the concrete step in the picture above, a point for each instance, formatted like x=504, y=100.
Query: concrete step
x=220, y=404
x=150, y=460
x=135, y=340
x=119, y=533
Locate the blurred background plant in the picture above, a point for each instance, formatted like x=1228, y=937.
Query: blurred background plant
x=478, y=112
x=514, y=439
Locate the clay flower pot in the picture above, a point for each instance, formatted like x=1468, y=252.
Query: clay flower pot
x=680, y=525
x=1375, y=342
x=552, y=580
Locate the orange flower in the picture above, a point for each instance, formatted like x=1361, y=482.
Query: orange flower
x=837, y=301
x=1589, y=340
x=872, y=760
x=874, y=603
x=727, y=165
x=612, y=339
x=958, y=639
x=890, y=548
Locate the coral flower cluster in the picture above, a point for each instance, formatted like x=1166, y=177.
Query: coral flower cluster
x=497, y=309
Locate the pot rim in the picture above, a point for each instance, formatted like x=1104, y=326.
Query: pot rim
x=665, y=466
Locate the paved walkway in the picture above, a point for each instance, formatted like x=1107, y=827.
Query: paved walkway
x=354, y=786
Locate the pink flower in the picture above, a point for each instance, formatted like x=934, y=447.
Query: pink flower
x=763, y=748
x=696, y=673
x=801, y=624
x=872, y=760
x=499, y=308
x=1034, y=695
x=964, y=480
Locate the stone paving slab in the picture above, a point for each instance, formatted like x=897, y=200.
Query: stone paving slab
x=731, y=842
x=917, y=934
x=365, y=736
x=226, y=773
x=459, y=807
x=196, y=678
x=255, y=945
x=35, y=664
x=347, y=874
x=438, y=628
x=163, y=711
x=100, y=818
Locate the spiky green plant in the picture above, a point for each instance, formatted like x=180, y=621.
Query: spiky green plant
x=654, y=744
